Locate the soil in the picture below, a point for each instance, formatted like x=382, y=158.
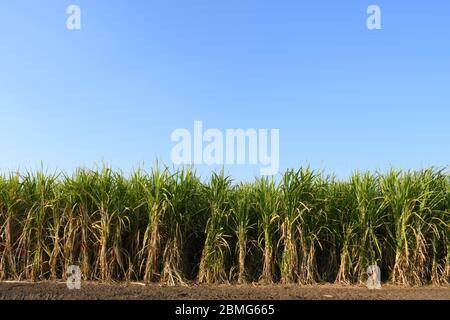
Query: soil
x=138, y=291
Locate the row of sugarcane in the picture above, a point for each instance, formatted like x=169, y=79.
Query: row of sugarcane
x=172, y=227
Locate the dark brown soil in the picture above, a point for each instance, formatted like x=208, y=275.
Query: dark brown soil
x=137, y=291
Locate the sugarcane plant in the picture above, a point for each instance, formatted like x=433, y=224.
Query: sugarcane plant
x=267, y=211
x=183, y=206
x=360, y=228
x=216, y=246
x=10, y=217
x=158, y=204
x=242, y=213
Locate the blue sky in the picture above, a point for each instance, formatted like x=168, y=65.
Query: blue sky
x=343, y=97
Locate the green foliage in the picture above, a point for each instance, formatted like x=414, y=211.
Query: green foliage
x=168, y=226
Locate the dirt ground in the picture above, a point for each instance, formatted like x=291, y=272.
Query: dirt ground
x=138, y=291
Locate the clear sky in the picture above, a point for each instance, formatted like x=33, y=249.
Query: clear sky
x=343, y=97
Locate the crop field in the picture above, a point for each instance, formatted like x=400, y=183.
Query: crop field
x=169, y=227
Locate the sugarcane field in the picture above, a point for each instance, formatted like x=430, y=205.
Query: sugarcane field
x=169, y=228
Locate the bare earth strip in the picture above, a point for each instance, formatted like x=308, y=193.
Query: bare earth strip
x=137, y=291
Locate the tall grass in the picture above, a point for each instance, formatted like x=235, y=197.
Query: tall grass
x=212, y=263
x=242, y=212
x=359, y=228
x=184, y=190
x=267, y=208
x=169, y=226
